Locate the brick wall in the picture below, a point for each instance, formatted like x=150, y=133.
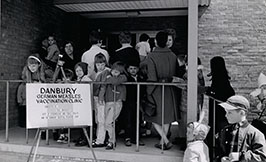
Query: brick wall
x=24, y=24
x=235, y=30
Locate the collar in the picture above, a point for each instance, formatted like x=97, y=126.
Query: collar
x=159, y=49
x=243, y=124
x=125, y=45
x=194, y=142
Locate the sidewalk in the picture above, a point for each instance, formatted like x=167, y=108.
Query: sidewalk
x=19, y=157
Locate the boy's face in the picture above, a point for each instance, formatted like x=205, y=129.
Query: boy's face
x=79, y=72
x=33, y=67
x=50, y=40
x=233, y=116
x=133, y=70
x=100, y=66
x=115, y=73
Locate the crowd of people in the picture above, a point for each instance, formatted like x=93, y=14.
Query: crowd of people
x=142, y=63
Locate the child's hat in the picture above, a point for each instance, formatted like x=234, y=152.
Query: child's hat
x=236, y=102
x=200, y=130
x=261, y=82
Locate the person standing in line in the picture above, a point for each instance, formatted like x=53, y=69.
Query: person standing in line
x=107, y=94
x=102, y=71
x=221, y=90
x=161, y=67
x=126, y=54
x=143, y=46
x=88, y=56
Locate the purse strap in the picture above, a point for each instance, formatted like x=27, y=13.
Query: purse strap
x=263, y=105
x=262, y=113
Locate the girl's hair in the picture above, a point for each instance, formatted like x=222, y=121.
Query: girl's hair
x=39, y=75
x=84, y=67
x=218, y=69
x=99, y=58
x=120, y=66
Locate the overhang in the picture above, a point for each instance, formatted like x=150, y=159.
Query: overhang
x=126, y=8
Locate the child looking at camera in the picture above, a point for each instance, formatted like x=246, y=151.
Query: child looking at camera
x=102, y=72
x=113, y=94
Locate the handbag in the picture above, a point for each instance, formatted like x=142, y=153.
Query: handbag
x=148, y=105
x=260, y=124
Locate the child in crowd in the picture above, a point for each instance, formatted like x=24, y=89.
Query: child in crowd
x=81, y=71
x=21, y=100
x=197, y=150
x=53, y=50
x=130, y=107
x=260, y=92
x=63, y=134
x=113, y=94
x=181, y=139
x=143, y=46
x=33, y=71
x=102, y=72
x=240, y=141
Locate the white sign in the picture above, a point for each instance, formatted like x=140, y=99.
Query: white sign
x=58, y=105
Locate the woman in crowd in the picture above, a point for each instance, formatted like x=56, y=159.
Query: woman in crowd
x=159, y=71
x=221, y=90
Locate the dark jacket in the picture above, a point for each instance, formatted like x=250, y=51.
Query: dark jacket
x=128, y=55
x=250, y=143
x=161, y=67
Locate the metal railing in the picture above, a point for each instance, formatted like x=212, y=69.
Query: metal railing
x=138, y=84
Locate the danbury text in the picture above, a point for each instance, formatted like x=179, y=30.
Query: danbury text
x=58, y=90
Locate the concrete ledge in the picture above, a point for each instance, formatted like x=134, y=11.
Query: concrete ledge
x=86, y=153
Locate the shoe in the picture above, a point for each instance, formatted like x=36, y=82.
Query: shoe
x=110, y=146
x=62, y=139
x=127, y=142
x=95, y=144
x=141, y=143
x=82, y=142
x=167, y=146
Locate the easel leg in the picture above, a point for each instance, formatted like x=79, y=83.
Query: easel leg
x=34, y=141
x=37, y=145
x=87, y=136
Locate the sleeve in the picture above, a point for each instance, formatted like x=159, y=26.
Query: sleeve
x=257, y=151
x=190, y=156
x=51, y=52
x=103, y=86
x=117, y=80
x=151, y=74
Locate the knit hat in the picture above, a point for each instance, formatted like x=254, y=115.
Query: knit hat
x=200, y=130
x=261, y=82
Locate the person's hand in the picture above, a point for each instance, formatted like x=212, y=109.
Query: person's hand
x=101, y=102
x=60, y=63
x=234, y=156
x=225, y=159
